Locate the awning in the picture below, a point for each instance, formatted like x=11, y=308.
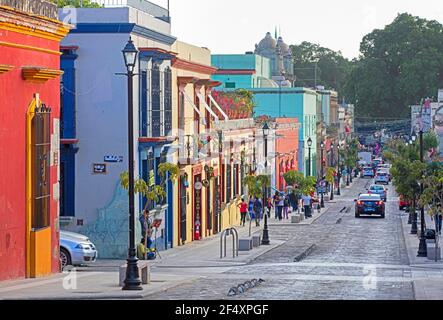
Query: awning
x=218, y=107
x=202, y=99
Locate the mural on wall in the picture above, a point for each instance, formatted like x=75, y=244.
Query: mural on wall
x=110, y=230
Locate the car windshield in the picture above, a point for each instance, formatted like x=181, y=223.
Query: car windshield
x=377, y=188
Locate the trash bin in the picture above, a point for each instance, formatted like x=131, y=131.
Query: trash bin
x=430, y=234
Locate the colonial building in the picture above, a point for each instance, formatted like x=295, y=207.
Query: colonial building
x=212, y=149
x=29, y=140
x=95, y=122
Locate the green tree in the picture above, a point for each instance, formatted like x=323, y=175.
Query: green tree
x=398, y=66
x=155, y=193
x=302, y=184
x=256, y=184
x=76, y=3
x=332, y=68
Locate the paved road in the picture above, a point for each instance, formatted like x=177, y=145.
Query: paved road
x=348, y=258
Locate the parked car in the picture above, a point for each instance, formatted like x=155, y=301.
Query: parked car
x=382, y=177
x=403, y=204
x=76, y=249
x=380, y=190
x=369, y=204
x=367, y=172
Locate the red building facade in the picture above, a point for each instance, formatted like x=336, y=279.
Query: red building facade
x=286, y=149
x=29, y=138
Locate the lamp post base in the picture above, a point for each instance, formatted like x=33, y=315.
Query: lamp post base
x=265, y=241
x=132, y=281
x=422, y=249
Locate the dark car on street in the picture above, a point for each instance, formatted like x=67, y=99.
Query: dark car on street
x=369, y=204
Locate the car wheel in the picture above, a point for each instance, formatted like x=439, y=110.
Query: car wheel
x=383, y=216
x=400, y=208
x=65, y=258
x=357, y=215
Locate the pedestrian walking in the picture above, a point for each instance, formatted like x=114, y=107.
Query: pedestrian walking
x=280, y=206
x=269, y=207
x=286, y=207
x=243, y=211
x=257, y=211
x=307, y=202
x=276, y=200
x=293, y=200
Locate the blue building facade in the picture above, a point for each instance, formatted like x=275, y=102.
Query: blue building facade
x=95, y=124
x=273, y=97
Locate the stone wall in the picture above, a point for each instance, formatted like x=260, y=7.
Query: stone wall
x=38, y=7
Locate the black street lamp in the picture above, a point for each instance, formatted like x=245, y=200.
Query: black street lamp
x=347, y=167
x=132, y=281
x=422, y=249
x=414, y=227
x=338, y=169
x=332, y=164
x=265, y=240
x=322, y=202
x=309, y=156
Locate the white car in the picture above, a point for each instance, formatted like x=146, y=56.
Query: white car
x=76, y=249
x=382, y=177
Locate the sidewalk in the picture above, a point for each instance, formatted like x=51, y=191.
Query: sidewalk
x=100, y=281
x=427, y=274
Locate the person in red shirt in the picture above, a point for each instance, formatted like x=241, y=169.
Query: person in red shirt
x=243, y=211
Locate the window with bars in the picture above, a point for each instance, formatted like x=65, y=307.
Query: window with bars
x=228, y=182
x=168, y=101
x=236, y=173
x=144, y=104
x=156, y=101
x=41, y=159
x=163, y=181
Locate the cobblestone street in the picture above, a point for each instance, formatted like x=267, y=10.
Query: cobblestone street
x=349, y=258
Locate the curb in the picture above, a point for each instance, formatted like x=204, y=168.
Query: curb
x=305, y=253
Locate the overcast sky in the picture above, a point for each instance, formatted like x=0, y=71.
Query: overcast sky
x=235, y=26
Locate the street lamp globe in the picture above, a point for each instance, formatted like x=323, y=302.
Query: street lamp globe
x=414, y=137
x=309, y=142
x=130, y=53
x=322, y=145
x=332, y=146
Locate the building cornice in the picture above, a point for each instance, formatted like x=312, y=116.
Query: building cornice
x=40, y=74
x=124, y=28
x=235, y=72
x=193, y=66
x=5, y=68
x=33, y=25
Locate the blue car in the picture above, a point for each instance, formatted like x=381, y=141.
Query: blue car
x=380, y=190
x=367, y=172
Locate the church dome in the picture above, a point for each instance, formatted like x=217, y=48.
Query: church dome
x=285, y=50
x=267, y=43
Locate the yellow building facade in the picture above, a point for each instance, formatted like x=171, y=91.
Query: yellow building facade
x=207, y=193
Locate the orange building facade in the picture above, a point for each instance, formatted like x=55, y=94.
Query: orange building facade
x=286, y=149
